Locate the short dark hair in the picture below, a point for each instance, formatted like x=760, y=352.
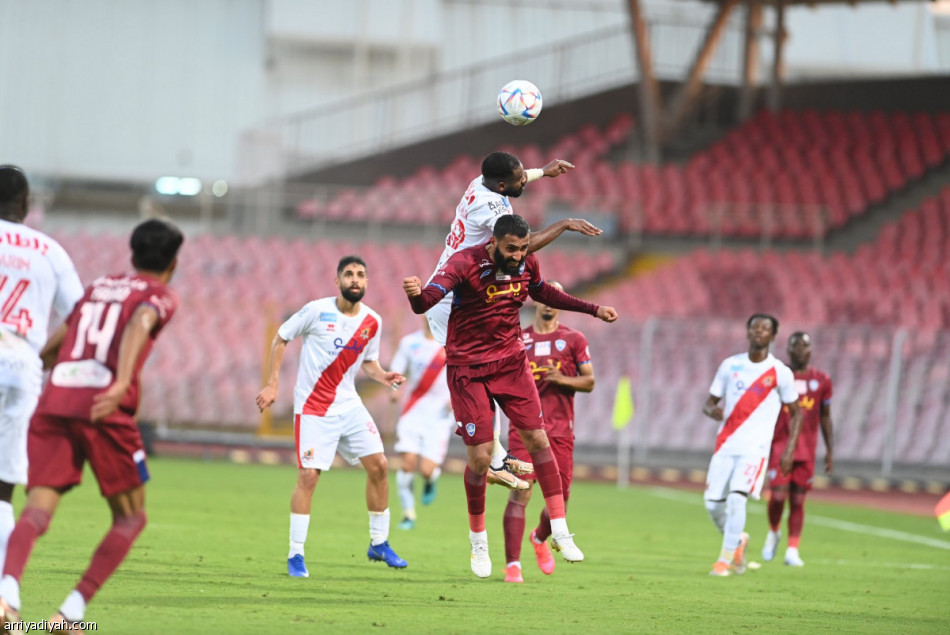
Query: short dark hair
x=511, y=224
x=155, y=244
x=766, y=316
x=14, y=190
x=798, y=335
x=349, y=260
x=499, y=166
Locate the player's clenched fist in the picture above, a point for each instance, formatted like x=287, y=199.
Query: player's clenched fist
x=607, y=314
x=412, y=286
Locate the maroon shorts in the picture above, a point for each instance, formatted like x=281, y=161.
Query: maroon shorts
x=561, y=447
x=801, y=475
x=57, y=449
x=507, y=381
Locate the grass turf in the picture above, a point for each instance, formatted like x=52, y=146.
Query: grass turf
x=213, y=559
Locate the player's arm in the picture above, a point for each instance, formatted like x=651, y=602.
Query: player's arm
x=51, y=349
x=386, y=377
x=557, y=167
x=827, y=432
x=794, y=430
x=712, y=409
x=134, y=338
x=555, y=298
x=583, y=382
x=544, y=236
x=268, y=394
x=421, y=299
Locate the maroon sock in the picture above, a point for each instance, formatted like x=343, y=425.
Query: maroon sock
x=475, y=485
x=796, y=517
x=776, y=507
x=548, y=477
x=110, y=553
x=32, y=524
x=514, y=530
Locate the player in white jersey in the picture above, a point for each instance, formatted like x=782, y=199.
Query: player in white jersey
x=340, y=336
x=426, y=422
x=753, y=386
x=36, y=278
x=485, y=199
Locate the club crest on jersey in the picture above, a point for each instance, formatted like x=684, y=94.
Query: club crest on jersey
x=364, y=334
x=327, y=316
x=560, y=344
x=470, y=429
x=485, y=273
x=308, y=455
x=813, y=384
x=767, y=381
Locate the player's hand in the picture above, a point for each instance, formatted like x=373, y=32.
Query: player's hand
x=788, y=458
x=583, y=227
x=107, y=402
x=607, y=314
x=266, y=397
x=412, y=286
x=553, y=374
x=829, y=465
x=713, y=412
x=392, y=378
x=557, y=167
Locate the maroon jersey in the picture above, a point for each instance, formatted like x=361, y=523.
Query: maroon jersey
x=485, y=324
x=814, y=389
x=566, y=350
x=89, y=356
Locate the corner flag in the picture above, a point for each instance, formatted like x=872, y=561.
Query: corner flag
x=623, y=404
x=942, y=510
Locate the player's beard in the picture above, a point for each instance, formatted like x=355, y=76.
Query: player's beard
x=353, y=295
x=512, y=269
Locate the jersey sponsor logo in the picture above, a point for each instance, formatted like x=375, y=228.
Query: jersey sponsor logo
x=536, y=370
x=470, y=429
x=327, y=316
x=493, y=291
x=352, y=345
x=85, y=373
x=801, y=386
x=560, y=345
x=808, y=403
x=542, y=348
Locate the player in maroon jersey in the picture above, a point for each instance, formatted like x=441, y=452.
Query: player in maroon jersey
x=561, y=365
x=814, y=389
x=87, y=413
x=486, y=361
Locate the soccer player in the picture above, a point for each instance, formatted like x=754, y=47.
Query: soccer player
x=561, y=365
x=484, y=202
x=814, y=388
x=87, y=413
x=752, y=386
x=36, y=278
x=426, y=422
x=340, y=336
x=486, y=363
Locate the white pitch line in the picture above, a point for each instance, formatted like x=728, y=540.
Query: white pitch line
x=844, y=525
x=887, y=565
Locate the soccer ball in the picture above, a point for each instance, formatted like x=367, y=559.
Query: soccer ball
x=519, y=102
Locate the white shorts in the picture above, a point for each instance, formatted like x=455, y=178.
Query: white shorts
x=735, y=473
x=21, y=376
x=426, y=433
x=438, y=317
x=353, y=434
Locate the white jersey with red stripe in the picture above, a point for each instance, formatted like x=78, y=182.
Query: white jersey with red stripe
x=422, y=360
x=36, y=278
x=334, y=347
x=753, y=394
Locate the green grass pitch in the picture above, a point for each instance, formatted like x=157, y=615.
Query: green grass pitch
x=213, y=559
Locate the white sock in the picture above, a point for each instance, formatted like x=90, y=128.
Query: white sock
x=559, y=527
x=7, y=522
x=379, y=527
x=478, y=536
x=299, y=525
x=74, y=608
x=717, y=512
x=404, y=488
x=498, y=452
x=735, y=520
x=516, y=562
x=436, y=473
x=10, y=591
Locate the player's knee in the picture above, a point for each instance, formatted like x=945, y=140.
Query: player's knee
x=736, y=501
x=38, y=518
x=131, y=524
x=779, y=494
x=715, y=507
x=307, y=478
x=796, y=499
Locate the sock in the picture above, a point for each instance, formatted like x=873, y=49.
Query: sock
x=406, y=498
x=110, y=553
x=7, y=523
x=33, y=523
x=796, y=517
x=543, y=529
x=717, y=512
x=299, y=524
x=478, y=536
x=436, y=473
x=735, y=520
x=379, y=527
x=475, y=485
x=514, y=563
x=10, y=591
x=546, y=473
x=513, y=524
x=776, y=506
x=498, y=451
x=74, y=607
x=559, y=527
